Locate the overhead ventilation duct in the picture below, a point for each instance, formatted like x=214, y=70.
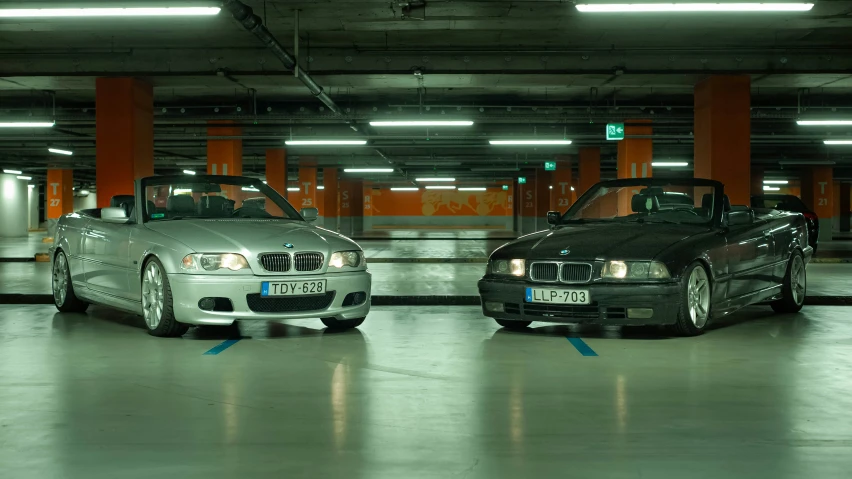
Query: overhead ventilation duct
x=251, y=22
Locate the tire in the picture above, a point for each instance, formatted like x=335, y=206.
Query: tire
x=157, y=310
x=342, y=324
x=511, y=324
x=64, y=297
x=794, y=288
x=695, y=300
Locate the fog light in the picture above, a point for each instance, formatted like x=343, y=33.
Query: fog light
x=207, y=304
x=494, y=306
x=639, y=313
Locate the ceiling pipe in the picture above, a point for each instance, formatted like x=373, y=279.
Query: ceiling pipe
x=251, y=22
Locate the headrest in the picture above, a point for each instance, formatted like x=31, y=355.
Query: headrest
x=180, y=204
x=639, y=203
x=213, y=206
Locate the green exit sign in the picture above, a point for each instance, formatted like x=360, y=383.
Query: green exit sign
x=549, y=166
x=505, y=187
x=522, y=180
x=615, y=131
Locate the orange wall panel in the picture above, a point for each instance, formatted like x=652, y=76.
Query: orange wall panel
x=60, y=193
x=384, y=202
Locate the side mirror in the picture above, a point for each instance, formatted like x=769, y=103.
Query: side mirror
x=310, y=214
x=739, y=218
x=553, y=217
x=114, y=215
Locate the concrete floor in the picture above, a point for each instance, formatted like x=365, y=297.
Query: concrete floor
x=418, y=279
x=425, y=392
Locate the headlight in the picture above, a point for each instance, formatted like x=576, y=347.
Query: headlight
x=352, y=259
x=213, y=262
x=634, y=270
x=514, y=267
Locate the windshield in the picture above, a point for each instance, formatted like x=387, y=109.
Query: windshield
x=779, y=202
x=189, y=197
x=679, y=202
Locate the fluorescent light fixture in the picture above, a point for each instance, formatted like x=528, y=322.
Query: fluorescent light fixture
x=693, y=7
x=824, y=122
x=405, y=189
x=12, y=172
x=106, y=12
x=188, y=172
x=804, y=163
x=30, y=186
x=771, y=188
x=26, y=124
x=60, y=152
x=245, y=188
x=320, y=187
x=325, y=142
x=435, y=179
x=28, y=178
x=775, y=182
x=477, y=188
x=421, y=123
x=530, y=142
x=838, y=142
x=293, y=188
x=440, y=187
x=86, y=192
x=368, y=170
x=669, y=163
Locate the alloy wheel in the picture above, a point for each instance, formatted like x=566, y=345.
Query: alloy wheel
x=698, y=297
x=60, y=279
x=798, y=279
x=152, y=295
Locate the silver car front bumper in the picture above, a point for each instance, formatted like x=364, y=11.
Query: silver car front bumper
x=189, y=289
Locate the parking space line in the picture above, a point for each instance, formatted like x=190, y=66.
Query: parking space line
x=221, y=347
x=581, y=346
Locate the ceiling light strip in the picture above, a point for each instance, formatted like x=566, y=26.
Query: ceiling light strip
x=368, y=170
x=838, y=142
x=421, y=123
x=27, y=124
x=692, y=7
x=58, y=151
x=108, y=12
x=435, y=179
x=325, y=142
x=824, y=122
x=529, y=142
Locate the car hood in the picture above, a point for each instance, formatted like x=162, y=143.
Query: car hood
x=250, y=237
x=599, y=241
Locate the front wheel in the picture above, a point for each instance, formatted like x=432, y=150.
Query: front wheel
x=510, y=324
x=157, y=302
x=695, y=295
x=342, y=324
x=63, y=290
x=794, y=287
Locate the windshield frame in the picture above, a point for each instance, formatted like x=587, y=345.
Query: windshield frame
x=718, y=194
x=241, y=181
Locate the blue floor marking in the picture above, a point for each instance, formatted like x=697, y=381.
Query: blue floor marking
x=221, y=347
x=581, y=346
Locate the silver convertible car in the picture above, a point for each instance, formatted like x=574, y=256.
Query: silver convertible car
x=208, y=250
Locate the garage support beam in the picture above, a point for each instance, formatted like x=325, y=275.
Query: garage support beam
x=757, y=177
x=276, y=170
x=225, y=157
x=542, y=198
x=845, y=207
x=722, y=147
x=330, y=199
x=818, y=195
x=589, y=169
x=561, y=180
x=124, y=135
x=307, y=196
x=351, y=207
x=635, y=154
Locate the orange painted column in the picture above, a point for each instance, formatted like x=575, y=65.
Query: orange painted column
x=845, y=206
x=351, y=207
x=634, y=159
x=225, y=157
x=331, y=198
x=60, y=193
x=589, y=169
x=526, y=202
x=542, y=198
x=124, y=135
x=818, y=194
x=757, y=177
x=562, y=181
x=276, y=170
x=723, y=134
x=307, y=186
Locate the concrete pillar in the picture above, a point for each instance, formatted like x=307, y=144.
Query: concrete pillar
x=225, y=157
x=307, y=187
x=526, y=203
x=562, y=181
x=13, y=206
x=589, y=168
x=818, y=195
x=542, y=198
x=60, y=197
x=276, y=170
x=635, y=154
x=331, y=199
x=32, y=207
x=757, y=177
x=723, y=134
x=124, y=135
x=845, y=207
x=351, y=207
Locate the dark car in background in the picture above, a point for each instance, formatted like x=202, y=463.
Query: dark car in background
x=795, y=205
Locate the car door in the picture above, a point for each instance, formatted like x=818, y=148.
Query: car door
x=106, y=257
x=750, y=251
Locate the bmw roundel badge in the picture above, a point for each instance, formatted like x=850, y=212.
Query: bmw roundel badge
x=565, y=252
x=288, y=245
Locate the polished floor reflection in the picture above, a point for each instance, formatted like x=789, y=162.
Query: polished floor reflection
x=424, y=392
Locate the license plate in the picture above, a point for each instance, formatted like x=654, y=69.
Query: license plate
x=292, y=288
x=558, y=296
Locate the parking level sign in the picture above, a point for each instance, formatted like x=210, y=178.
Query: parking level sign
x=615, y=131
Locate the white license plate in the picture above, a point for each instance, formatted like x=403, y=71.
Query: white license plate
x=558, y=296
x=292, y=288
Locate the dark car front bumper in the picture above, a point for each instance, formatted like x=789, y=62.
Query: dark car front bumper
x=611, y=304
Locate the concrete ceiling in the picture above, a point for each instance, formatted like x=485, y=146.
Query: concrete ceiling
x=515, y=67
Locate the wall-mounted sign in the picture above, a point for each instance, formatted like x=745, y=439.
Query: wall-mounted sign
x=615, y=131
